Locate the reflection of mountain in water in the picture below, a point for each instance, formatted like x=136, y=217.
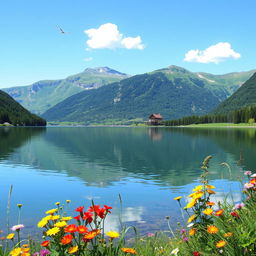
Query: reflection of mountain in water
x=12, y=138
x=100, y=156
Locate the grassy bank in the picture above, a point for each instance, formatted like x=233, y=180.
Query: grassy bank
x=222, y=125
x=211, y=228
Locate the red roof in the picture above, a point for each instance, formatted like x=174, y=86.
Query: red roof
x=155, y=116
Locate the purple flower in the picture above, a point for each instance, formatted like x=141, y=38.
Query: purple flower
x=185, y=239
x=17, y=227
x=151, y=234
x=44, y=252
x=182, y=231
x=247, y=173
x=36, y=254
x=239, y=206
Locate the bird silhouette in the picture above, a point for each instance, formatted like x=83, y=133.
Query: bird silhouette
x=61, y=30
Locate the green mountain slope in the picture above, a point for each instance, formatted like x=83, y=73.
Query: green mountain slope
x=13, y=113
x=42, y=95
x=244, y=96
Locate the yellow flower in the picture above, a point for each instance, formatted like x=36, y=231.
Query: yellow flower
x=228, y=234
x=19, y=205
x=208, y=211
x=212, y=229
x=210, y=203
x=52, y=211
x=52, y=231
x=68, y=201
x=191, y=204
x=198, y=195
x=15, y=252
x=73, y=249
x=192, y=231
x=57, y=203
x=42, y=223
x=60, y=224
x=129, y=250
x=210, y=186
x=55, y=217
x=177, y=198
x=191, y=218
x=220, y=244
x=66, y=218
x=198, y=188
x=10, y=236
x=113, y=234
x=48, y=217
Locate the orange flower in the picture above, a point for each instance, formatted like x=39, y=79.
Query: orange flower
x=90, y=235
x=72, y=228
x=129, y=250
x=220, y=244
x=228, y=234
x=210, y=203
x=73, y=249
x=253, y=181
x=219, y=212
x=211, y=191
x=82, y=229
x=208, y=211
x=212, y=229
x=192, y=231
x=67, y=239
x=45, y=243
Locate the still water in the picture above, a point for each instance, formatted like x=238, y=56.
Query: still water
x=148, y=167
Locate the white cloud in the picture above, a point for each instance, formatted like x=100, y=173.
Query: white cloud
x=215, y=54
x=88, y=59
x=108, y=36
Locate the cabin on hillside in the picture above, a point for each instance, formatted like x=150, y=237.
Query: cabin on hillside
x=155, y=119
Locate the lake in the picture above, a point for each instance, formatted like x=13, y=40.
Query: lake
x=148, y=167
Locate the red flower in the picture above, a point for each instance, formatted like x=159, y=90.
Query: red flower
x=196, y=253
x=77, y=217
x=67, y=239
x=235, y=214
x=108, y=208
x=253, y=181
x=45, y=243
x=94, y=208
x=219, y=212
x=82, y=229
x=79, y=209
x=101, y=213
x=72, y=228
x=88, y=217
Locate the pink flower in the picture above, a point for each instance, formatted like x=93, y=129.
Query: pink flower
x=17, y=227
x=239, y=206
x=248, y=185
x=151, y=234
x=247, y=173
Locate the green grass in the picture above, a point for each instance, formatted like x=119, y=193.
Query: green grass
x=228, y=125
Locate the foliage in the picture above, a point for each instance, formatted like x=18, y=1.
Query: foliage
x=13, y=113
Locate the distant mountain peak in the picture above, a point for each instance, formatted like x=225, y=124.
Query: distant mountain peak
x=174, y=69
x=103, y=70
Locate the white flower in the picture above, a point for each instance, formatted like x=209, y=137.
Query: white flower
x=254, y=175
x=17, y=227
x=175, y=251
x=190, y=225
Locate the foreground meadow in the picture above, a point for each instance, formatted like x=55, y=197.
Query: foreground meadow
x=210, y=229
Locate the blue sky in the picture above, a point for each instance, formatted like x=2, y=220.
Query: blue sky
x=215, y=36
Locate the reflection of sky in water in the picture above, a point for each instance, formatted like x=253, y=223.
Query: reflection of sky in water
x=148, y=168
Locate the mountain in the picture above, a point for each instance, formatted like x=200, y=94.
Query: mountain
x=244, y=96
x=13, y=113
x=174, y=92
x=42, y=95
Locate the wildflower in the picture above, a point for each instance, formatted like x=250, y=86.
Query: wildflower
x=73, y=249
x=88, y=217
x=220, y=244
x=196, y=253
x=182, y=231
x=19, y=205
x=208, y=211
x=129, y=250
x=210, y=186
x=68, y=201
x=185, y=239
x=113, y=234
x=77, y=217
x=175, y=251
x=60, y=224
x=72, y=228
x=42, y=223
x=107, y=208
x=52, y=211
x=235, y=214
x=247, y=173
x=15, y=252
x=228, y=234
x=191, y=204
x=177, y=198
x=57, y=203
x=198, y=195
x=66, y=218
x=150, y=234
x=191, y=218
x=212, y=229
x=190, y=225
x=239, y=206
x=17, y=227
x=52, y=231
x=253, y=181
x=82, y=229
x=45, y=243
x=248, y=185
x=192, y=231
x=55, y=217
x=219, y=212
x=90, y=235
x=10, y=236
x=198, y=188
x=210, y=191
x=210, y=203
x=44, y=252
x=80, y=209
x=66, y=239
x=253, y=176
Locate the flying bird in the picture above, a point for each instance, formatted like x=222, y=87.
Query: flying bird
x=61, y=30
